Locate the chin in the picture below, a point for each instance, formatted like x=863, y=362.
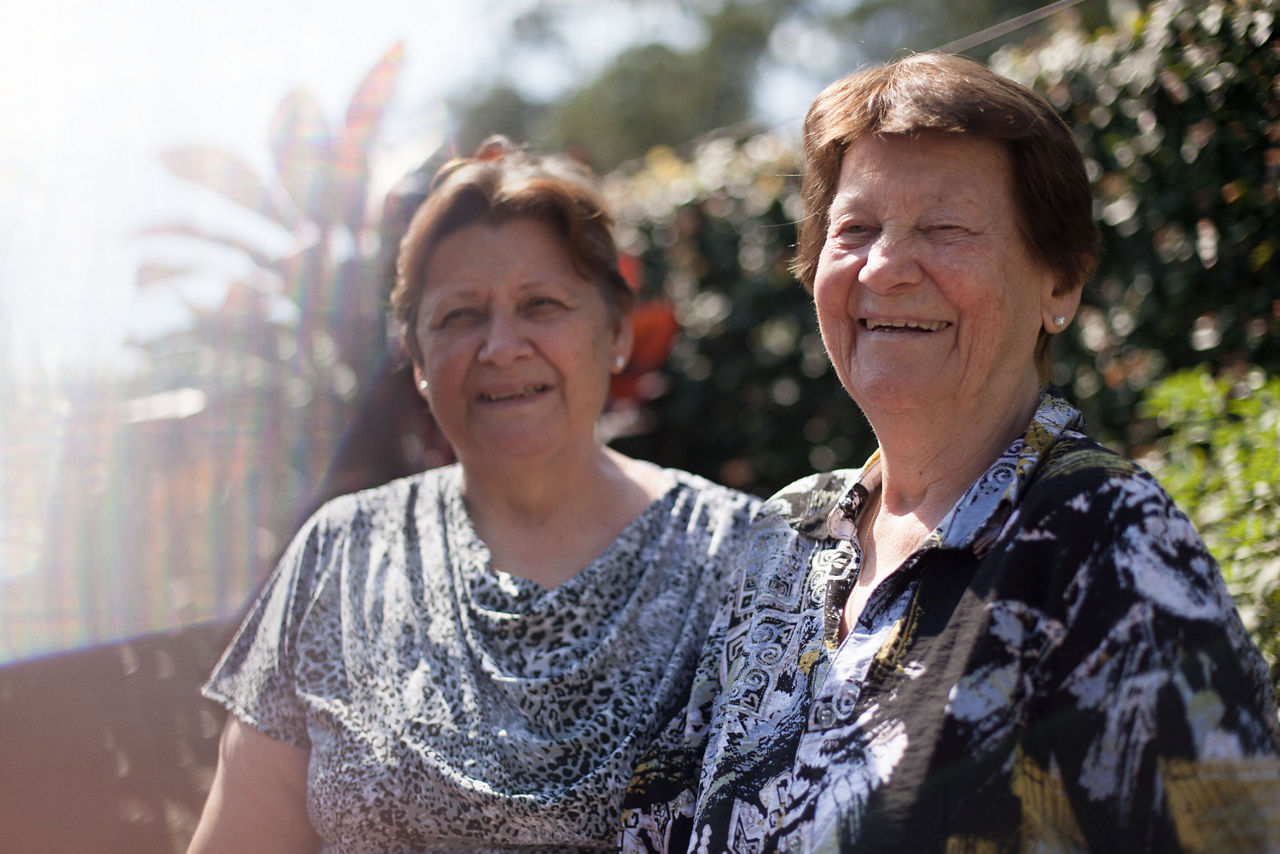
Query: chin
x=890, y=394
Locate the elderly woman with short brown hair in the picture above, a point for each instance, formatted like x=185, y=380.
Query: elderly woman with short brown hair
x=472, y=657
x=996, y=635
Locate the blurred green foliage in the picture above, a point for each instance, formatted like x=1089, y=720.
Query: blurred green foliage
x=1218, y=457
x=748, y=396
x=1178, y=115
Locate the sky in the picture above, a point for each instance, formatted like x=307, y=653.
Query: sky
x=94, y=91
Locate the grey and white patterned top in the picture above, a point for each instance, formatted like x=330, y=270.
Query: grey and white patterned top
x=449, y=706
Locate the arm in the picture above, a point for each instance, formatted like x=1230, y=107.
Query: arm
x=258, y=801
x=1171, y=740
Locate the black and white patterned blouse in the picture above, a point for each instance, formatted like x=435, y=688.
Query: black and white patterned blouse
x=1059, y=667
x=449, y=706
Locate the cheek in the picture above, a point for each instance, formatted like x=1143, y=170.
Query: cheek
x=443, y=361
x=828, y=302
x=836, y=275
x=835, y=322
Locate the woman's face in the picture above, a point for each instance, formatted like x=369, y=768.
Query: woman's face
x=927, y=295
x=516, y=345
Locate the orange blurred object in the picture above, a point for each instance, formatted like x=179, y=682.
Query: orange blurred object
x=655, y=327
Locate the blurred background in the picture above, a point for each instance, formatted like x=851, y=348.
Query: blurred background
x=200, y=207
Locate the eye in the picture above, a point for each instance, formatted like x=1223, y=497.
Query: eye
x=853, y=232
x=460, y=316
x=543, y=306
x=945, y=230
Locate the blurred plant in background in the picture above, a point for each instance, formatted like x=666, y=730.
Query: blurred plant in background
x=331, y=332
x=271, y=375
x=1219, y=457
x=1178, y=114
x=748, y=397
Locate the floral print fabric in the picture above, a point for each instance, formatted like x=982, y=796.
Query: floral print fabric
x=448, y=706
x=1059, y=667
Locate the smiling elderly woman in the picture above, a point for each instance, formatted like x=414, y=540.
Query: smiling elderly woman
x=996, y=635
x=471, y=658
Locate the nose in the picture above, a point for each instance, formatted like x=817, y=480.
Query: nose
x=504, y=340
x=892, y=259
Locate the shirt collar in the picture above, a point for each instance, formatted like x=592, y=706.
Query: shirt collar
x=980, y=514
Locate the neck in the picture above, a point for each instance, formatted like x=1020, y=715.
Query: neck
x=532, y=490
x=545, y=523
x=928, y=463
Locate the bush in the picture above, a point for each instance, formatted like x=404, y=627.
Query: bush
x=1218, y=457
x=748, y=396
x=1178, y=115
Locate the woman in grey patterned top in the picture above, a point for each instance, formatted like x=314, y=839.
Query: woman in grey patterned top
x=470, y=658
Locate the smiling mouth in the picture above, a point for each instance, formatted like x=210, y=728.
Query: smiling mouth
x=527, y=391
x=904, y=325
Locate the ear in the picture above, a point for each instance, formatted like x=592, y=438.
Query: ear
x=1058, y=302
x=624, y=332
x=420, y=382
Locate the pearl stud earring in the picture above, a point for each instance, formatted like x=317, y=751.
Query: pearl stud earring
x=422, y=385
x=619, y=362
x=1059, y=321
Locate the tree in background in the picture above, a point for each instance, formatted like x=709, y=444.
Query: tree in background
x=748, y=396
x=1175, y=356
x=657, y=93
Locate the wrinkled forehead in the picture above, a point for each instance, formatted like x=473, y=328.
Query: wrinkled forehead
x=941, y=167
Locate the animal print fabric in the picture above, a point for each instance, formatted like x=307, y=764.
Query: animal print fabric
x=1058, y=668
x=448, y=706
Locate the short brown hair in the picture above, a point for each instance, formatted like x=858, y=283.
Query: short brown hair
x=952, y=94
x=499, y=183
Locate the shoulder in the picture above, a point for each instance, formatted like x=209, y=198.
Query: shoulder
x=394, y=497
x=1089, y=479
x=1079, y=478
x=777, y=557
x=1080, y=457
x=710, y=494
x=341, y=533
x=1108, y=517
x=805, y=504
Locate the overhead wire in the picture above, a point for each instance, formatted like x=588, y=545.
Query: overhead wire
x=1003, y=28
x=956, y=46
x=747, y=128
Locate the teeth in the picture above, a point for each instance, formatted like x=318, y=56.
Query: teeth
x=907, y=324
x=524, y=392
